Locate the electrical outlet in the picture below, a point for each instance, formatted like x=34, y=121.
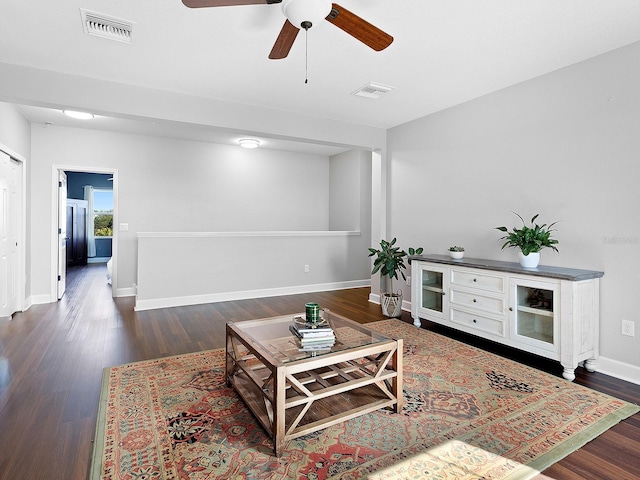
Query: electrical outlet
x=628, y=328
x=408, y=281
x=306, y=269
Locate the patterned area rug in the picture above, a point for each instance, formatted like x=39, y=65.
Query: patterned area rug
x=467, y=414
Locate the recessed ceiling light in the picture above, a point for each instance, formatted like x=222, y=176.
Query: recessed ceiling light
x=78, y=115
x=249, y=142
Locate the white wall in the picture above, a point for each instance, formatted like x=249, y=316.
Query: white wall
x=251, y=264
x=565, y=145
x=15, y=135
x=350, y=187
x=178, y=270
x=167, y=185
x=15, y=130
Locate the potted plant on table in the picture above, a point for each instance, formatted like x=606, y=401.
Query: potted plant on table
x=530, y=240
x=389, y=262
x=456, y=252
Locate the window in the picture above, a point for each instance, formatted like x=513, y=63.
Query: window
x=102, y=212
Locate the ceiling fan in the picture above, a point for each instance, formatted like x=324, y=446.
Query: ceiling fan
x=305, y=13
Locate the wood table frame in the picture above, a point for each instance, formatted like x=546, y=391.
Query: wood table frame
x=295, y=398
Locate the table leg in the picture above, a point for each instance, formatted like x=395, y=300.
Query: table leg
x=230, y=363
x=396, y=363
x=278, y=425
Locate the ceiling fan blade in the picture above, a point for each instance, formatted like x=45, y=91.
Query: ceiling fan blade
x=284, y=42
x=225, y=3
x=359, y=28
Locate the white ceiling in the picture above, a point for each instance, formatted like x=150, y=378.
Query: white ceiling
x=162, y=128
x=445, y=52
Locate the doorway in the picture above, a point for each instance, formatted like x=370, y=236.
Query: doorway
x=80, y=184
x=12, y=233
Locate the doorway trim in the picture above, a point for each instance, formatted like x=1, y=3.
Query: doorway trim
x=55, y=169
x=21, y=277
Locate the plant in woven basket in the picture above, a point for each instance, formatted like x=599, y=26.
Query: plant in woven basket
x=389, y=260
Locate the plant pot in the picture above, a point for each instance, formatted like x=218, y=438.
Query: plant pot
x=391, y=304
x=529, y=261
x=456, y=255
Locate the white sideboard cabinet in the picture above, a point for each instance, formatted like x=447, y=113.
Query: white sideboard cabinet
x=553, y=312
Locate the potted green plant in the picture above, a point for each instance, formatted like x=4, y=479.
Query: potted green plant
x=456, y=252
x=389, y=261
x=530, y=240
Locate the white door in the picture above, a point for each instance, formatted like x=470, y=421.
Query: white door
x=9, y=210
x=62, y=233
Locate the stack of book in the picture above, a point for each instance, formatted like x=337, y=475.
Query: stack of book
x=312, y=337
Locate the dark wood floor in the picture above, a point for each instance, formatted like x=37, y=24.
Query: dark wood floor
x=52, y=356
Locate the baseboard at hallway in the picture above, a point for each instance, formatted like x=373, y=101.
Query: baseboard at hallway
x=98, y=259
x=38, y=300
x=246, y=294
x=125, y=292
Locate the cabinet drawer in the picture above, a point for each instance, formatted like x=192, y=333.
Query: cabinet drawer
x=470, y=278
x=469, y=299
x=477, y=322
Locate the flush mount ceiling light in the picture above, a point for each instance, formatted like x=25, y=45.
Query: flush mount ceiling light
x=78, y=115
x=249, y=142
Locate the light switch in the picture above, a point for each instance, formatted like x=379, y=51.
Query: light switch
x=124, y=227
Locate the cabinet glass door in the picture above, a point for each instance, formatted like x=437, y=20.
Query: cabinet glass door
x=534, y=315
x=432, y=290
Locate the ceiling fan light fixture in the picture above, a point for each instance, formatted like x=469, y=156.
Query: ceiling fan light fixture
x=249, y=142
x=78, y=115
x=299, y=11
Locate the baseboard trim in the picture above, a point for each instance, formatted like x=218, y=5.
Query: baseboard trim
x=617, y=369
x=375, y=298
x=125, y=292
x=38, y=300
x=98, y=259
x=245, y=294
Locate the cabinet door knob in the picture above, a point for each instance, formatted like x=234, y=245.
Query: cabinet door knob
x=474, y=320
x=474, y=300
x=511, y=309
x=475, y=279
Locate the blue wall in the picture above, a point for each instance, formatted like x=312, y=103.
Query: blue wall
x=77, y=180
x=103, y=247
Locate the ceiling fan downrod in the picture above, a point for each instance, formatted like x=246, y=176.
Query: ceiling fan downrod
x=306, y=25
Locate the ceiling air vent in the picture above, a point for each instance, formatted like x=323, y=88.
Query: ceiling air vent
x=106, y=26
x=372, y=90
